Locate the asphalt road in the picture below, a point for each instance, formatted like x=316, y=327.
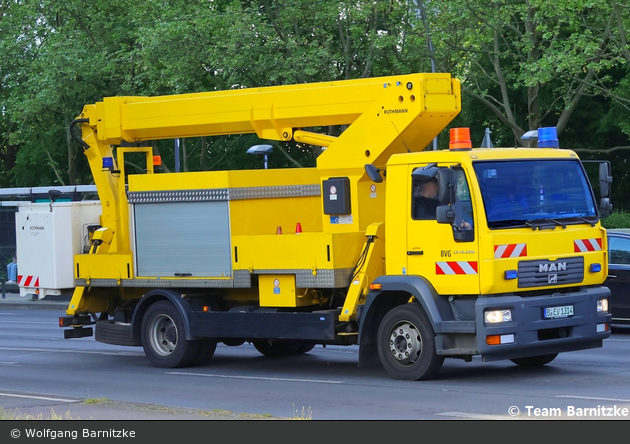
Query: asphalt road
x=41, y=372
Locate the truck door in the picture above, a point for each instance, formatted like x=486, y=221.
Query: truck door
x=433, y=250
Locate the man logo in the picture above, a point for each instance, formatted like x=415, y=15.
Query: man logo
x=559, y=266
x=552, y=279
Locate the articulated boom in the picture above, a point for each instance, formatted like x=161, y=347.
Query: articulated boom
x=386, y=115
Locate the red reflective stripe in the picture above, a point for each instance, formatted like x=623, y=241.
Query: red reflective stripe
x=473, y=264
x=508, y=251
x=524, y=251
x=438, y=269
x=496, y=247
x=456, y=268
x=599, y=242
x=28, y=281
x=36, y=283
x=576, y=249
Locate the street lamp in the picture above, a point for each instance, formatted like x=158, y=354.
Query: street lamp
x=261, y=149
x=530, y=135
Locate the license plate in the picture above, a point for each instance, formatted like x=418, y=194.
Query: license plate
x=558, y=312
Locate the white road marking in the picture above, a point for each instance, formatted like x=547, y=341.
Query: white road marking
x=474, y=416
x=593, y=398
x=254, y=377
x=30, y=322
x=44, y=398
x=87, y=352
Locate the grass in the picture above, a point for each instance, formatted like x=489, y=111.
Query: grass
x=304, y=415
x=216, y=414
x=10, y=415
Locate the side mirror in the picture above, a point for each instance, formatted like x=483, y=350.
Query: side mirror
x=447, y=188
x=605, y=207
x=605, y=179
x=444, y=214
x=374, y=173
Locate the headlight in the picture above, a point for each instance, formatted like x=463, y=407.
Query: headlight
x=496, y=316
x=602, y=305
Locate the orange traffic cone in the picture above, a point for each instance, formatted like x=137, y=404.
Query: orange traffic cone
x=298, y=228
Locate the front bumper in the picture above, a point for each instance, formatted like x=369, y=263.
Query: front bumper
x=532, y=335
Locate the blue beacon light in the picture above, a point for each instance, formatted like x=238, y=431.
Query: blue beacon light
x=548, y=137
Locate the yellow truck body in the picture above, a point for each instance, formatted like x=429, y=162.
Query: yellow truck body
x=290, y=258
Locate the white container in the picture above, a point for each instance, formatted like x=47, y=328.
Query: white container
x=48, y=235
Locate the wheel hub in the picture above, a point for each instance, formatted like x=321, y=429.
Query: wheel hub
x=163, y=335
x=405, y=343
x=171, y=334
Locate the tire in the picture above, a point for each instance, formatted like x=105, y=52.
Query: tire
x=534, y=361
x=305, y=347
x=108, y=332
x=406, y=344
x=164, y=340
x=233, y=342
x=207, y=347
x=276, y=349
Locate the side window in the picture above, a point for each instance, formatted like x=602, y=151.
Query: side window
x=424, y=199
x=619, y=249
x=463, y=204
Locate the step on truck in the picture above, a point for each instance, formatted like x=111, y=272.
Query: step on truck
x=507, y=263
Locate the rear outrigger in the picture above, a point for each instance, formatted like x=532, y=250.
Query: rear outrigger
x=183, y=261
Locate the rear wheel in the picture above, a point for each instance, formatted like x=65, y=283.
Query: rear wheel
x=164, y=340
x=534, y=361
x=406, y=344
x=110, y=332
x=207, y=347
x=276, y=349
x=305, y=347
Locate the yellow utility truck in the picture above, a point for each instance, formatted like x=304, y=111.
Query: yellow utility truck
x=507, y=261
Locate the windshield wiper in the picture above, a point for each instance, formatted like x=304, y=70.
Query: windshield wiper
x=583, y=219
x=532, y=223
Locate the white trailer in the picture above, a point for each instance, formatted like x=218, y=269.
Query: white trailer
x=48, y=235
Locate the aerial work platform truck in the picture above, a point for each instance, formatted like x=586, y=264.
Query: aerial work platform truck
x=286, y=259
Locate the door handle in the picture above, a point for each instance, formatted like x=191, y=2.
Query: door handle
x=415, y=253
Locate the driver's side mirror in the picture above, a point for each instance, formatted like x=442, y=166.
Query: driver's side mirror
x=445, y=214
x=447, y=188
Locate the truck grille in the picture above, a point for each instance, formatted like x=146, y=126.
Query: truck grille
x=544, y=273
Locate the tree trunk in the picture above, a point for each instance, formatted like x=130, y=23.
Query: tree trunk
x=72, y=156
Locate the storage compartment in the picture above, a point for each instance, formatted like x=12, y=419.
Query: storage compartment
x=182, y=239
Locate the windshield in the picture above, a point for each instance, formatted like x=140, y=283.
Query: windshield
x=521, y=192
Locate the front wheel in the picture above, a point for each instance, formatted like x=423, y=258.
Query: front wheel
x=164, y=340
x=406, y=344
x=534, y=361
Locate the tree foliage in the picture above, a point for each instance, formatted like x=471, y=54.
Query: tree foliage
x=523, y=64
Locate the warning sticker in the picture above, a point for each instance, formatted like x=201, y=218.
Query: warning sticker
x=341, y=219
